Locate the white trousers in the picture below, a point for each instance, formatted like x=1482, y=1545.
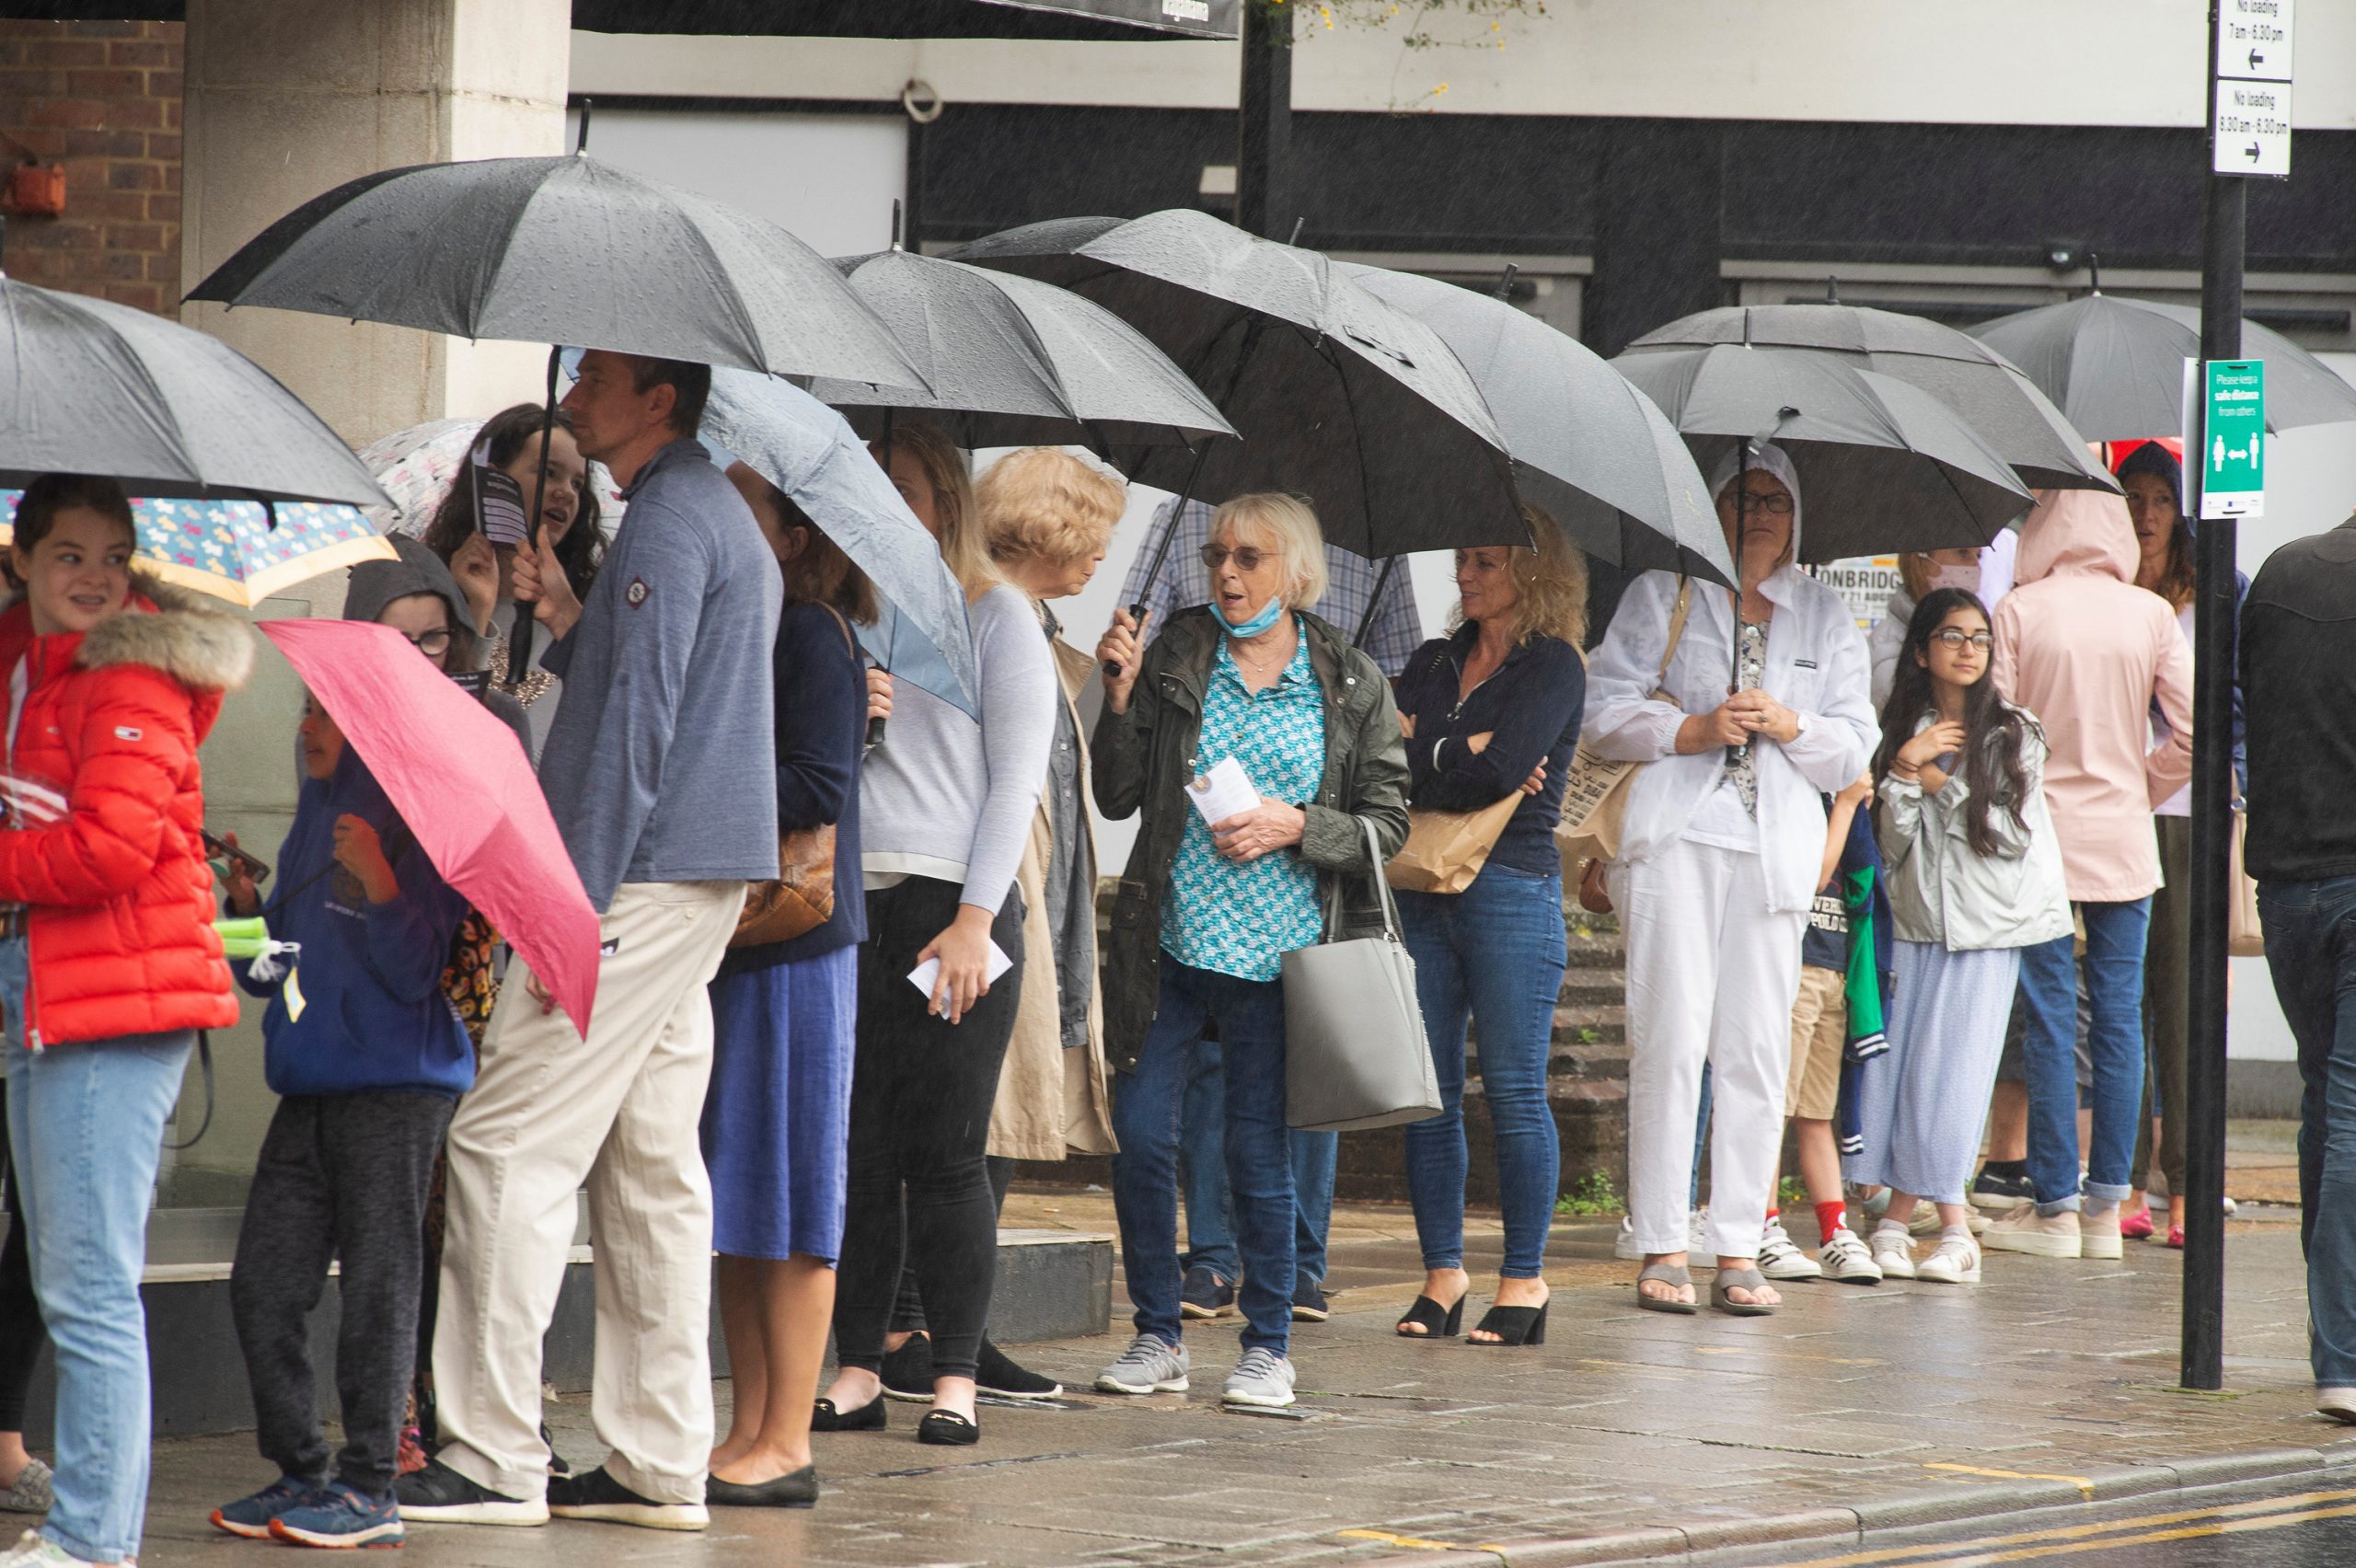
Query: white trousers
x=1712, y=975
x=619, y=1110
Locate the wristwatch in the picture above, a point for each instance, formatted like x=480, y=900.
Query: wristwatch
x=1799, y=724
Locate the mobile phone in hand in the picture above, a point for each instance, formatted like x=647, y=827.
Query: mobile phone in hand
x=221, y=850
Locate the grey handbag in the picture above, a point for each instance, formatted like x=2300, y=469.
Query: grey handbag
x=1355, y=1050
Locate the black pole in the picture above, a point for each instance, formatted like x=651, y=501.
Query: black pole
x=2215, y=662
x=910, y=233
x=519, y=641
x=1264, y=146
x=1169, y=536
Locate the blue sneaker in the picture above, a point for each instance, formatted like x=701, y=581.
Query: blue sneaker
x=250, y=1516
x=341, y=1515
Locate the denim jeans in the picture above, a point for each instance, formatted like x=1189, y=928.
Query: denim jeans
x=1492, y=956
x=1147, y=1104
x=2115, y=943
x=85, y=1122
x=1202, y=1173
x=2311, y=950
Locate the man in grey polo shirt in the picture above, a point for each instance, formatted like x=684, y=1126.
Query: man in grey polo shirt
x=658, y=770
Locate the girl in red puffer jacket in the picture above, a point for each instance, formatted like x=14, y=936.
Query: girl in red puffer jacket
x=109, y=962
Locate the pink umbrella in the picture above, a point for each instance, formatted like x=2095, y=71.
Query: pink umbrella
x=462, y=783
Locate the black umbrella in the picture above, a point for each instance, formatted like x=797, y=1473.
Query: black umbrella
x=1013, y=362
x=1338, y=396
x=92, y=388
x=1992, y=394
x=1883, y=466
x=2117, y=365
x=1587, y=446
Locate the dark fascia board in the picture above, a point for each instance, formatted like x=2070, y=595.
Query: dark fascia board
x=1085, y=22
x=1096, y=21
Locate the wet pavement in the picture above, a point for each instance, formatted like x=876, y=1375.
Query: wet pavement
x=1629, y=1435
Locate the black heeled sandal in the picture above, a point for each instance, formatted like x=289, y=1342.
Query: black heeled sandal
x=1437, y=1321
x=1513, y=1325
x=869, y=1417
x=949, y=1429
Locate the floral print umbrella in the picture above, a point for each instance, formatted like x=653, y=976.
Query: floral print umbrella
x=230, y=548
x=417, y=467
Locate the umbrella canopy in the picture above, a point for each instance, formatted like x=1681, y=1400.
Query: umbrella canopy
x=1992, y=394
x=1882, y=466
x=2116, y=365
x=1337, y=396
x=462, y=783
x=1587, y=446
x=238, y=550
x=416, y=467
x=809, y=451
x=1018, y=363
x=1108, y=22
x=563, y=251
x=87, y=386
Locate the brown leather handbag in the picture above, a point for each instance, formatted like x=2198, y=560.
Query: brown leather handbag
x=801, y=898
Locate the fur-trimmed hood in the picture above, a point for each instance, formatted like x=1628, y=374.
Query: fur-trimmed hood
x=194, y=640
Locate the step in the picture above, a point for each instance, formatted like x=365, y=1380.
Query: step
x=1051, y=1285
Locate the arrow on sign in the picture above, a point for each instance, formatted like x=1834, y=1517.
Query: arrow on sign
x=2252, y=150
x=2256, y=60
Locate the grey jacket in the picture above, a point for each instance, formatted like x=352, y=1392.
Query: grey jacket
x=661, y=765
x=1944, y=891
x=1143, y=760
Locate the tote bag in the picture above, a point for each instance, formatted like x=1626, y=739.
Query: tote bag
x=1355, y=1050
x=1594, y=794
x=1444, y=850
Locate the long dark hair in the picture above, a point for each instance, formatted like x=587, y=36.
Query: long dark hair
x=1995, y=732
x=581, y=550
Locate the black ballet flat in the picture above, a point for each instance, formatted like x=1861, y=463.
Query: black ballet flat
x=869, y=1417
x=1437, y=1321
x=948, y=1429
x=795, y=1489
x=1512, y=1325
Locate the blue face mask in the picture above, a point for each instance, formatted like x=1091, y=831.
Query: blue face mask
x=1257, y=624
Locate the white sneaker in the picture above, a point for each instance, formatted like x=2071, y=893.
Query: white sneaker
x=34, y=1549
x=2337, y=1403
x=2099, y=1235
x=1974, y=1216
x=1623, y=1245
x=1893, y=1251
x=1957, y=1262
x=1847, y=1260
x=1780, y=1259
x=2040, y=1235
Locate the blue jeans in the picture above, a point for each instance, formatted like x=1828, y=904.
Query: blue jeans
x=1492, y=956
x=1147, y=1104
x=1202, y=1173
x=2311, y=950
x=2115, y=940
x=85, y=1122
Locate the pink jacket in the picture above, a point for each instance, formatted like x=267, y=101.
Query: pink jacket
x=2084, y=649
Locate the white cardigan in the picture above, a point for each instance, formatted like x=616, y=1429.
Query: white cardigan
x=1816, y=665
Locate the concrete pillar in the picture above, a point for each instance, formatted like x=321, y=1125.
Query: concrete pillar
x=284, y=102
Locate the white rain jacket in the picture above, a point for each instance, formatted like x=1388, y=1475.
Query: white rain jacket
x=1816, y=665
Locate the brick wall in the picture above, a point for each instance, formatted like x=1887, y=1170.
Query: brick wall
x=104, y=99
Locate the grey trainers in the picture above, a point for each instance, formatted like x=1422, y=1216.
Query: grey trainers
x=31, y=1495
x=1148, y=1366
x=1262, y=1379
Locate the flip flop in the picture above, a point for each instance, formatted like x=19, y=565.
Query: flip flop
x=1675, y=1275
x=1748, y=1279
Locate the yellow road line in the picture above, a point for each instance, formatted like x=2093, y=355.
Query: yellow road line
x=2189, y=1532
x=1414, y=1543
x=2083, y=1483
x=2269, y=1507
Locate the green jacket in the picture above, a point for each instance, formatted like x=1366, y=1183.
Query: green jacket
x=1143, y=760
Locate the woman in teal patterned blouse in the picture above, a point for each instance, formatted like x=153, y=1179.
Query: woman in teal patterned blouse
x=1206, y=911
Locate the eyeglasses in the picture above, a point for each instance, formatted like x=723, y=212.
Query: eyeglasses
x=1954, y=639
x=1246, y=558
x=1773, y=505
x=432, y=645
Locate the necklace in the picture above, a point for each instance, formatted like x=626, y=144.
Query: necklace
x=1259, y=667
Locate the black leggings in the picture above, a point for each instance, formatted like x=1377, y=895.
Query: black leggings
x=907, y=1308
x=22, y=1332
x=920, y=1097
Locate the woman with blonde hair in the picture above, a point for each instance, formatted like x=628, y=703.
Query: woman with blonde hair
x=1206, y=910
x=1491, y=712
x=945, y=808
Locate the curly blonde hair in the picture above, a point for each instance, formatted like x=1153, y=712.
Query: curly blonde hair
x=1043, y=501
x=946, y=471
x=1551, y=583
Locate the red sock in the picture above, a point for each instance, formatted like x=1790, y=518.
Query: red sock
x=1831, y=1217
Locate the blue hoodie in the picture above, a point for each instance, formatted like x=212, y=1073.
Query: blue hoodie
x=369, y=975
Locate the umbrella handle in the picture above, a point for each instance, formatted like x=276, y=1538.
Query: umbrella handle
x=1169, y=537
x=875, y=730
